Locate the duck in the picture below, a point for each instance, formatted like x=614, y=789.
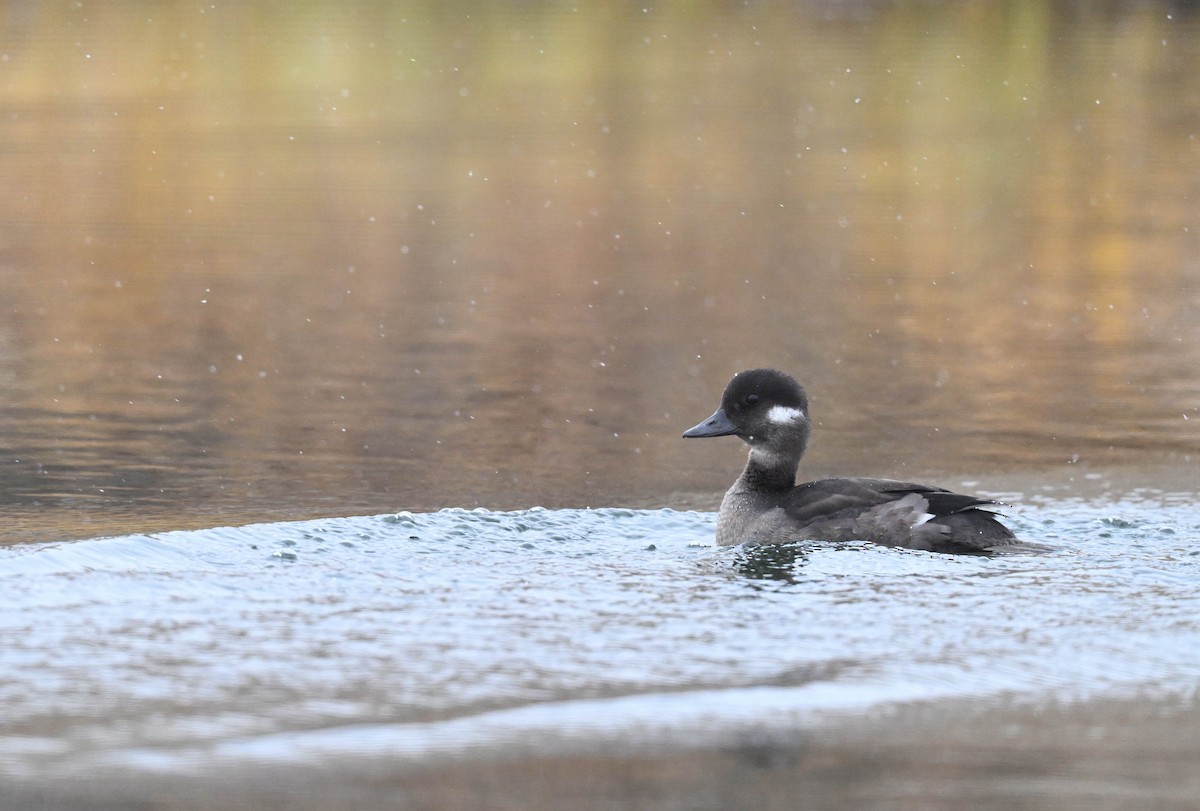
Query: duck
x=768, y=410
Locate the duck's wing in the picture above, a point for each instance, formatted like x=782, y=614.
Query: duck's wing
x=897, y=514
x=827, y=497
x=941, y=501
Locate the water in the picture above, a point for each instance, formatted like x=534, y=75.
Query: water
x=416, y=636
x=386, y=258
x=262, y=265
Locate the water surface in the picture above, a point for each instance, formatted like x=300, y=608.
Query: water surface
x=389, y=257
x=415, y=637
x=286, y=292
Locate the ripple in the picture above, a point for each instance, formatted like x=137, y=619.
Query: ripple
x=465, y=628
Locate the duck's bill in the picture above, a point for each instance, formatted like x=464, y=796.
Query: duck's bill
x=716, y=425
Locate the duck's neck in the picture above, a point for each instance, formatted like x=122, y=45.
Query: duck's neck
x=768, y=472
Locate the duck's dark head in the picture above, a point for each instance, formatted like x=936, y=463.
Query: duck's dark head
x=766, y=408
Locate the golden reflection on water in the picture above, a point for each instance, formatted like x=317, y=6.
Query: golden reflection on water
x=265, y=260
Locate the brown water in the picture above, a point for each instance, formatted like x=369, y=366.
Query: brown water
x=302, y=260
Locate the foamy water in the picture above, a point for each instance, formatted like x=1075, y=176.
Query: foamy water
x=413, y=635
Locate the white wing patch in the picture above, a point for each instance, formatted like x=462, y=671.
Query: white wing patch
x=784, y=415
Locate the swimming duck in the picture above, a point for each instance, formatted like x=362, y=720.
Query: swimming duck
x=768, y=410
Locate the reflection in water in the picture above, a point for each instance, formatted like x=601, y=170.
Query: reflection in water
x=393, y=257
x=773, y=561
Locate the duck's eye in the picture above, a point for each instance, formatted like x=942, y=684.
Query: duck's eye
x=751, y=399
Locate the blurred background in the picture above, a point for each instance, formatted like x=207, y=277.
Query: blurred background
x=263, y=260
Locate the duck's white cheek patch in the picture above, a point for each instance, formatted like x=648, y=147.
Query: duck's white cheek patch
x=783, y=415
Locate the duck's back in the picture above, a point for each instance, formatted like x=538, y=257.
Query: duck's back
x=884, y=511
